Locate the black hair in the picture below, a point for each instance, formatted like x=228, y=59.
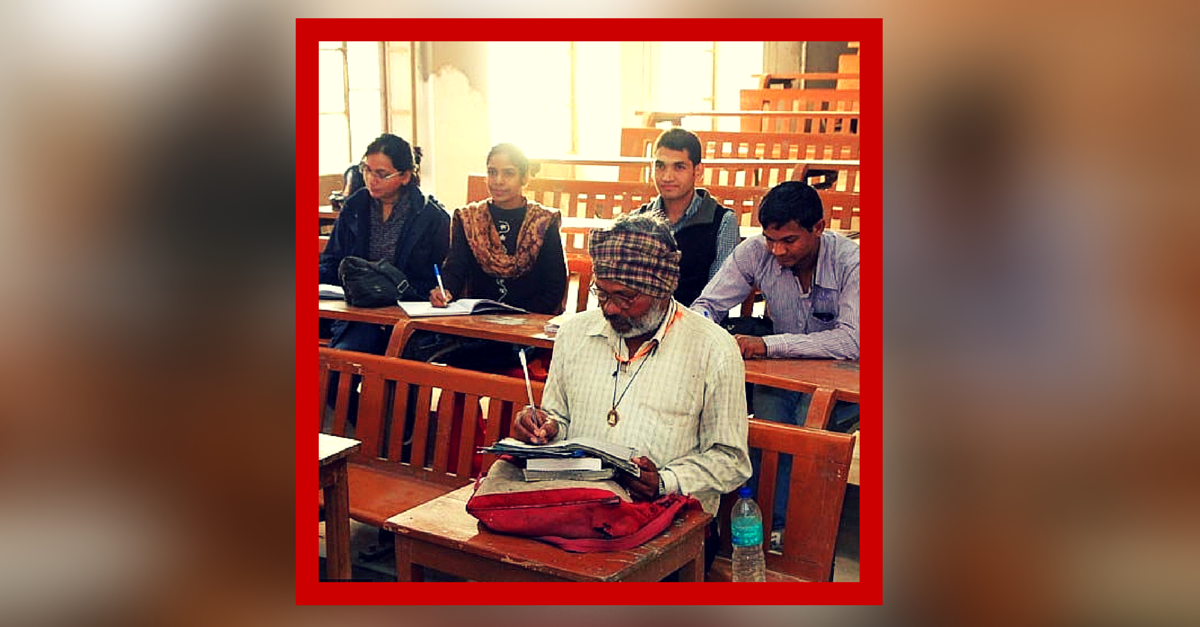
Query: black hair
x=518, y=158
x=681, y=139
x=788, y=201
x=403, y=155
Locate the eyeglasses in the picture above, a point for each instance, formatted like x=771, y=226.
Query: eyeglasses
x=622, y=301
x=378, y=174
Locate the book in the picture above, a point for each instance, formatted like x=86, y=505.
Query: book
x=617, y=455
x=602, y=474
x=330, y=291
x=563, y=463
x=460, y=307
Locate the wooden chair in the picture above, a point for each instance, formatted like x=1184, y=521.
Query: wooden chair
x=579, y=268
x=411, y=454
x=820, y=467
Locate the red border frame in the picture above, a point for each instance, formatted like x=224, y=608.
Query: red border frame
x=868, y=590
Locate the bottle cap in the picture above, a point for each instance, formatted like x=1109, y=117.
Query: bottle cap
x=744, y=492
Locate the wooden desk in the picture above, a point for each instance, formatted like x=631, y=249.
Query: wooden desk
x=332, y=463
x=523, y=329
x=442, y=535
x=391, y=315
x=828, y=380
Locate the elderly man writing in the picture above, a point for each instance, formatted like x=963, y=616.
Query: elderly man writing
x=645, y=372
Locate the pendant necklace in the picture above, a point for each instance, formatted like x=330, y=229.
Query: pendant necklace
x=613, y=416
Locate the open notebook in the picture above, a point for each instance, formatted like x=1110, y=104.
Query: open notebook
x=460, y=307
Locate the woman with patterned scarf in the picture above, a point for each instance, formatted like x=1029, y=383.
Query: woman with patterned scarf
x=506, y=248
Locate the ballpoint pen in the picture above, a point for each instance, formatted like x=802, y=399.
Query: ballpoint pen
x=529, y=388
x=438, y=274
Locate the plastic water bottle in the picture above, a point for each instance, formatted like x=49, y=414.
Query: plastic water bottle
x=747, y=528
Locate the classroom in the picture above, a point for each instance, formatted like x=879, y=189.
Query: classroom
x=608, y=195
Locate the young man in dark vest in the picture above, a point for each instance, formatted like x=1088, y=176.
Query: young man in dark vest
x=705, y=230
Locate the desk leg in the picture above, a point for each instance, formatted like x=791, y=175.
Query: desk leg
x=337, y=524
x=821, y=408
x=406, y=570
x=693, y=570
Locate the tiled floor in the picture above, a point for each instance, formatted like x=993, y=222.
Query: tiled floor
x=845, y=564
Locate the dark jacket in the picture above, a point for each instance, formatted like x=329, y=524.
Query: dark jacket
x=541, y=290
x=697, y=239
x=423, y=242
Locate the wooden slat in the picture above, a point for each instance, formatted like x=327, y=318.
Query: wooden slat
x=369, y=426
x=420, y=428
x=398, y=420
x=466, y=444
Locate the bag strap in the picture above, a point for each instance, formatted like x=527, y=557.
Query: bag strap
x=653, y=527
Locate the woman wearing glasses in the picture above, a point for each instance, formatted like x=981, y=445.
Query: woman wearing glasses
x=506, y=248
x=389, y=219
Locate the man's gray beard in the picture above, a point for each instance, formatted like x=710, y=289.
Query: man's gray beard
x=648, y=322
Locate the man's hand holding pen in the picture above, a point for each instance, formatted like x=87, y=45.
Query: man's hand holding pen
x=534, y=426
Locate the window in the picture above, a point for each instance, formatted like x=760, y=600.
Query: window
x=352, y=101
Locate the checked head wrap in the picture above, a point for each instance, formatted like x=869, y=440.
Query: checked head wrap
x=638, y=251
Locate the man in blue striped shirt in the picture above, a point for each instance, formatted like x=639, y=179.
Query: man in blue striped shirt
x=809, y=279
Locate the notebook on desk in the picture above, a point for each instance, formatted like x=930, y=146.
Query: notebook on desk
x=460, y=307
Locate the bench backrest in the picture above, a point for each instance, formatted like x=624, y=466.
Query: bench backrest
x=608, y=199
x=399, y=430
x=835, y=101
x=820, y=467
x=639, y=142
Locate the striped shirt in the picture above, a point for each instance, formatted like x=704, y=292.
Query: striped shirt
x=727, y=233
x=682, y=404
x=820, y=323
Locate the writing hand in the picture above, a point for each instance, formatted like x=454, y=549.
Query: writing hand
x=437, y=298
x=645, y=487
x=751, y=346
x=534, y=426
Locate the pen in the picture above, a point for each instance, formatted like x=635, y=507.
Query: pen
x=438, y=273
x=529, y=389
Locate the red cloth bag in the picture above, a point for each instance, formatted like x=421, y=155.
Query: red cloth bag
x=578, y=516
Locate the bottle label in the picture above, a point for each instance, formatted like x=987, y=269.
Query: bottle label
x=747, y=532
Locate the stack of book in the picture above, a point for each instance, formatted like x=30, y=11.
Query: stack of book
x=555, y=468
x=576, y=458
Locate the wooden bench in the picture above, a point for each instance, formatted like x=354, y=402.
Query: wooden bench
x=799, y=80
x=609, y=199
x=639, y=142
x=820, y=467
x=833, y=101
x=411, y=454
